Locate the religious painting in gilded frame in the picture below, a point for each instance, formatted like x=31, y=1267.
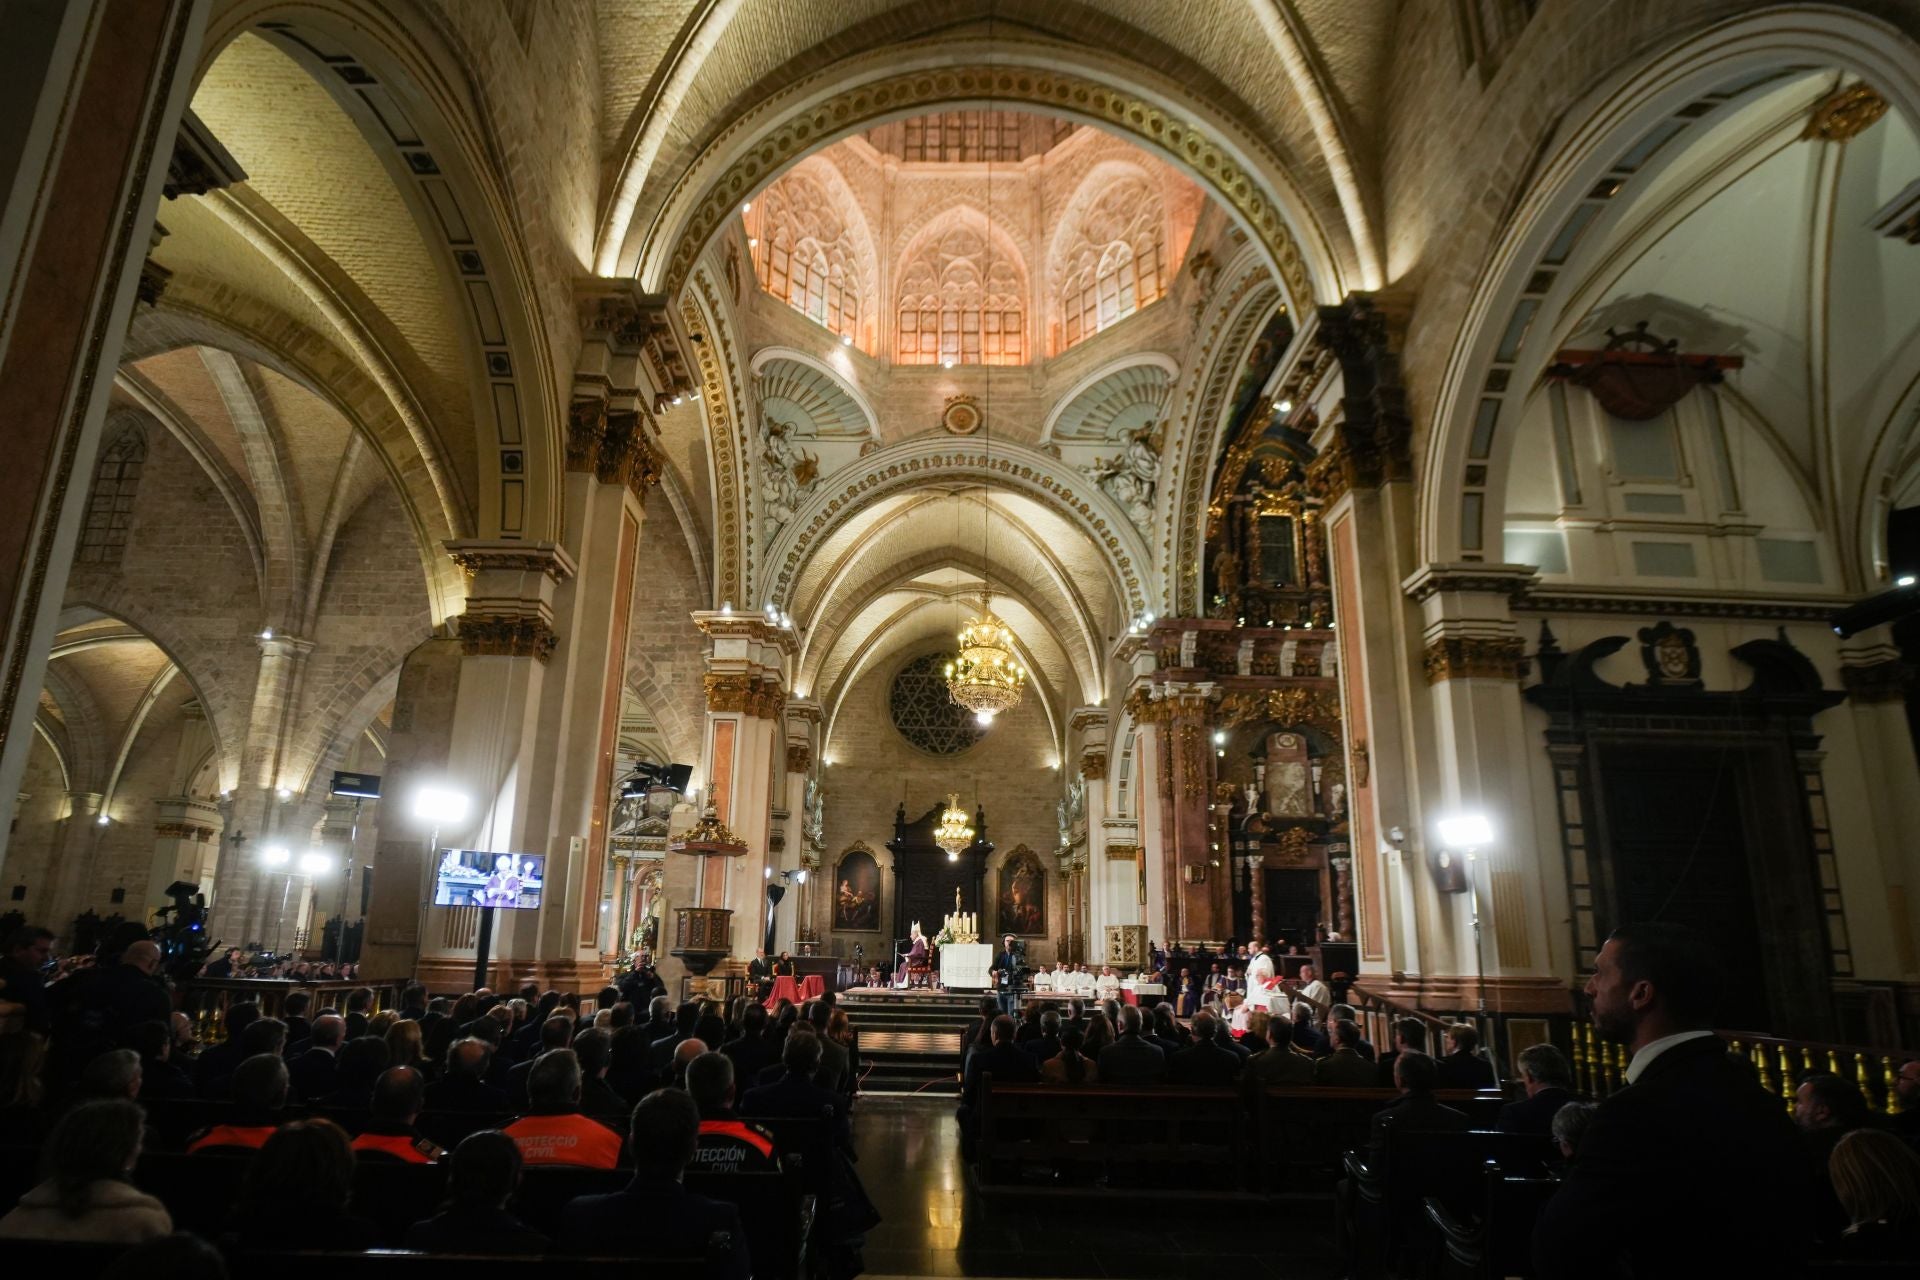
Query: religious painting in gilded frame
x=1022, y=902
x=856, y=892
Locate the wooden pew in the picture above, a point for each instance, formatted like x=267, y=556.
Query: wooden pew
x=1496, y=1241
x=1304, y=1131
x=1392, y=1185
x=1167, y=1141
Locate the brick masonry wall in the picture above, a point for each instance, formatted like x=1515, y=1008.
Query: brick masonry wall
x=873, y=768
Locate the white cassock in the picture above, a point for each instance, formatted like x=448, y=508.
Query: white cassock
x=1062, y=980
x=1106, y=986
x=1262, y=987
x=1319, y=993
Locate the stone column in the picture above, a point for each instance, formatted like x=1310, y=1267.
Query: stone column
x=247, y=892
x=74, y=839
x=803, y=718
x=186, y=835
x=1474, y=661
x=1187, y=783
x=1877, y=680
x=101, y=87
x=745, y=753
x=1364, y=475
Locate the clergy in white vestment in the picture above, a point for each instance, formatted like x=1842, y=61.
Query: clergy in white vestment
x=1107, y=985
x=1314, y=991
x=1262, y=985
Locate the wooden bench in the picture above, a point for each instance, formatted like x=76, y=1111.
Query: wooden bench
x=1304, y=1131
x=1393, y=1184
x=72, y=1261
x=1166, y=1141
x=1496, y=1240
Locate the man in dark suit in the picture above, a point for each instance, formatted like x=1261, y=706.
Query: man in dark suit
x=463, y=1086
x=1132, y=1059
x=1005, y=1062
x=1344, y=1067
x=1905, y=1123
x=655, y=1215
x=760, y=974
x=1409, y=1036
x=980, y=1026
x=1463, y=1067
x=293, y=1012
x=1166, y=1032
x=1347, y=1013
x=1205, y=1062
x=1278, y=1064
x=555, y=1033
x=1006, y=974
x=1548, y=1080
x=1692, y=1169
x=795, y=1094
x=312, y=1073
x=1045, y=1045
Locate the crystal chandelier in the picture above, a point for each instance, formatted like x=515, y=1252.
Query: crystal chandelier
x=954, y=834
x=985, y=677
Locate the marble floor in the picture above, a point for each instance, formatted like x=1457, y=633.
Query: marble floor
x=936, y=1226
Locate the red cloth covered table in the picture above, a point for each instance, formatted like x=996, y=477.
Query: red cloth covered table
x=798, y=990
x=1128, y=997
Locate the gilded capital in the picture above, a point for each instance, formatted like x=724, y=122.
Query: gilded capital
x=1475, y=658
x=1845, y=114
x=1093, y=765
x=506, y=636
x=1884, y=681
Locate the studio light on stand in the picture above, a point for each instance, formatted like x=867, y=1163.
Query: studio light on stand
x=1462, y=837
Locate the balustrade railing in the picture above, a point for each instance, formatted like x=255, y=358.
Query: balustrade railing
x=1600, y=1068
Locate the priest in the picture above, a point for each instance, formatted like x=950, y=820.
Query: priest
x=1263, y=985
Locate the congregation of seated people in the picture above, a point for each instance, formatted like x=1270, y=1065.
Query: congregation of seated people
x=96, y=1073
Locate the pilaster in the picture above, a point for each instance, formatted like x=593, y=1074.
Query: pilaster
x=1474, y=659
x=748, y=664
x=243, y=898
x=75, y=837
x=1877, y=679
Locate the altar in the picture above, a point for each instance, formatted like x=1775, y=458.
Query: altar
x=966, y=966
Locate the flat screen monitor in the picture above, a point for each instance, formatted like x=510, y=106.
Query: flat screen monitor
x=476, y=878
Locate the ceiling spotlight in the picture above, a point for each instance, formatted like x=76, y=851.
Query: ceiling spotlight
x=284, y=794
x=1219, y=737
x=679, y=399
x=846, y=339
x=800, y=876
x=753, y=242
x=1283, y=406
x=103, y=820
x=946, y=364
x=726, y=608
x=275, y=856
x=747, y=207
x=1904, y=580
x=267, y=634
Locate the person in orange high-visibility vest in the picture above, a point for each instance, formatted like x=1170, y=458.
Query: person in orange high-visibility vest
x=728, y=1144
x=398, y=1096
x=260, y=1096
x=555, y=1133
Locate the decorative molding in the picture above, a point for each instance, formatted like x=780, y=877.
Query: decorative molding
x=1513, y=581
x=1319, y=708
x=198, y=163
x=1093, y=766
x=744, y=695
x=1886, y=681
x=1758, y=610
x=962, y=416
x=182, y=831
x=1845, y=114
x=1123, y=852
x=727, y=441
x=799, y=757
x=506, y=636
x=474, y=555
x=615, y=445
x=1377, y=433
x=1475, y=658
x=1159, y=130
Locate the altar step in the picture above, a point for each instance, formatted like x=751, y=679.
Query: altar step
x=910, y=1043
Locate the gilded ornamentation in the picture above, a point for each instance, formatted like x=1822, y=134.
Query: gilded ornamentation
x=472, y=560
x=182, y=831
x=1845, y=114
x=744, y=695
x=1295, y=846
x=1093, y=765
x=962, y=416
x=1886, y=681
x=506, y=636
x=1193, y=762
x=799, y=757
x=1122, y=852
x=1475, y=658
x=1318, y=708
